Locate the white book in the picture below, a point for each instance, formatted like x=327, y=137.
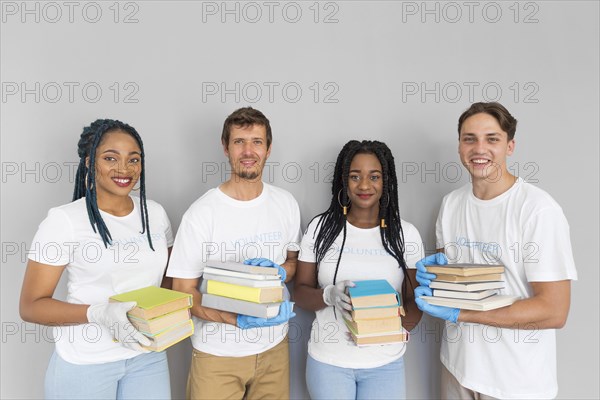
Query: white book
x=241, y=267
x=242, y=281
x=490, y=303
x=466, y=287
x=464, y=295
x=260, y=310
x=224, y=272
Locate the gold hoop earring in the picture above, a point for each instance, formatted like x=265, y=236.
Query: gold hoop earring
x=383, y=224
x=344, y=207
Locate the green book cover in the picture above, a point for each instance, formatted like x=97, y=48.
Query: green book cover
x=153, y=301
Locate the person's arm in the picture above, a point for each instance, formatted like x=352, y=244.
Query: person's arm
x=413, y=314
x=209, y=314
x=36, y=303
x=306, y=293
x=290, y=264
x=547, y=309
x=167, y=281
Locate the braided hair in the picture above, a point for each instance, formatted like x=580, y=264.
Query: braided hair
x=86, y=175
x=333, y=221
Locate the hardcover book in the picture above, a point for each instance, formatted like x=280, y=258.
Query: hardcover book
x=474, y=278
x=464, y=295
x=376, y=312
x=240, y=267
x=380, y=325
x=383, y=338
x=255, y=295
x=168, y=338
x=159, y=324
x=465, y=269
x=243, y=281
x=466, y=287
x=243, y=275
x=490, y=303
x=372, y=293
x=264, y=310
x=154, y=301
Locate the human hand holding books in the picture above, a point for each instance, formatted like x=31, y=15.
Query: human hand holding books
x=445, y=313
x=336, y=296
x=114, y=317
x=265, y=262
x=285, y=314
x=423, y=277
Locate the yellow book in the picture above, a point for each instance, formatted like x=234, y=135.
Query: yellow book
x=246, y=293
x=153, y=301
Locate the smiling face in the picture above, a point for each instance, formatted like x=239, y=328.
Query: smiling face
x=118, y=164
x=365, y=182
x=247, y=151
x=483, y=148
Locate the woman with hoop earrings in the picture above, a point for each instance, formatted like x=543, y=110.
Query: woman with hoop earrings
x=108, y=242
x=359, y=237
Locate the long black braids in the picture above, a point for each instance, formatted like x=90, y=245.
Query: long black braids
x=86, y=175
x=333, y=221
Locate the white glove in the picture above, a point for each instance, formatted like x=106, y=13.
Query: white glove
x=114, y=317
x=335, y=295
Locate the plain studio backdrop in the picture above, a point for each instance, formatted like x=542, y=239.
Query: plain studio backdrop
x=324, y=73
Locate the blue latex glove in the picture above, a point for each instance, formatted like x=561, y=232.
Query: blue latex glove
x=265, y=262
x=285, y=313
x=423, y=277
x=447, y=313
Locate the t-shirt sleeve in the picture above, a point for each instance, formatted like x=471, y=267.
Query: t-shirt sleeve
x=168, y=230
x=439, y=231
x=546, y=249
x=53, y=242
x=191, y=247
x=295, y=232
x=413, y=246
x=307, y=246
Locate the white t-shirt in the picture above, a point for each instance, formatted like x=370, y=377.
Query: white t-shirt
x=525, y=230
x=94, y=272
x=220, y=228
x=363, y=257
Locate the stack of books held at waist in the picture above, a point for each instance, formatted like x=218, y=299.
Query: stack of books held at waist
x=242, y=289
x=162, y=315
x=468, y=287
x=376, y=314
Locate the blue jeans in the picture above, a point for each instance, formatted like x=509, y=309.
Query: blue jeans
x=326, y=381
x=142, y=377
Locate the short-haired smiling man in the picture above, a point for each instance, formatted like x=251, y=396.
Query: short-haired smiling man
x=509, y=352
x=237, y=356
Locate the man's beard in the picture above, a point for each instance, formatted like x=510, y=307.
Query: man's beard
x=248, y=175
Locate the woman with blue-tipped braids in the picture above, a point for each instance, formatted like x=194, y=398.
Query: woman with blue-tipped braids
x=359, y=237
x=108, y=242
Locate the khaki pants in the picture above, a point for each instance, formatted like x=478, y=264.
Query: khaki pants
x=452, y=389
x=259, y=376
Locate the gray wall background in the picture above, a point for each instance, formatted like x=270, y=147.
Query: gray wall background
x=324, y=73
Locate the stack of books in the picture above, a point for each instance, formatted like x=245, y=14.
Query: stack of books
x=242, y=289
x=376, y=314
x=162, y=315
x=468, y=287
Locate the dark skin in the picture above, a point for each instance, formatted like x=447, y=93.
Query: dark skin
x=364, y=190
x=117, y=155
